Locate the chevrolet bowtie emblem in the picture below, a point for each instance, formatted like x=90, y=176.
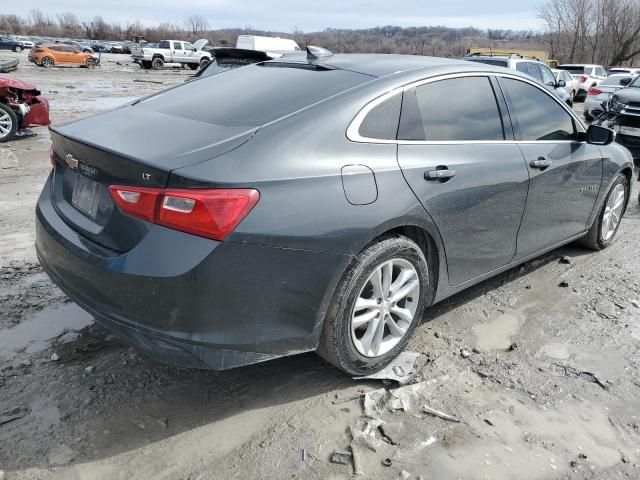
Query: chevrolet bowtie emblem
x=71, y=161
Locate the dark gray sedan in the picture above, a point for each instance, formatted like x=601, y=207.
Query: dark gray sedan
x=317, y=204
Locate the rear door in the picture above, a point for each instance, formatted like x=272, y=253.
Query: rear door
x=457, y=153
x=565, y=173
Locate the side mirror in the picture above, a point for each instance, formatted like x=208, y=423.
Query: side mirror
x=625, y=81
x=562, y=83
x=597, y=135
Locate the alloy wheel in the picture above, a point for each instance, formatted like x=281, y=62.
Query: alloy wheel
x=612, y=212
x=385, y=308
x=6, y=124
x=47, y=62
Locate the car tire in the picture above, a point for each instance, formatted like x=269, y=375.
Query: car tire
x=343, y=343
x=204, y=62
x=8, y=123
x=92, y=63
x=157, y=63
x=18, y=49
x=193, y=66
x=47, y=62
x=588, y=117
x=146, y=64
x=602, y=234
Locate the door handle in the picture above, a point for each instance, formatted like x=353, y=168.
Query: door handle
x=442, y=175
x=541, y=163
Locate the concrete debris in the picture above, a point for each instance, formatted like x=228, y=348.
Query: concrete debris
x=606, y=309
x=304, y=455
x=410, y=397
x=366, y=437
x=464, y=353
x=55, y=357
x=402, y=369
x=438, y=413
x=14, y=414
x=89, y=369
x=341, y=457
x=404, y=475
x=512, y=347
x=635, y=303
x=357, y=461
x=375, y=402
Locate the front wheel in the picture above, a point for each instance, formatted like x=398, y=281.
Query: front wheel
x=376, y=306
x=193, y=66
x=204, y=62
x=47, y=62
x=8, y=123
x=604, y=228
x=18, y=49
x=92, y=63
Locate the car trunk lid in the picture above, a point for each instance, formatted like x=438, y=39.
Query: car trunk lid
x=104, y=150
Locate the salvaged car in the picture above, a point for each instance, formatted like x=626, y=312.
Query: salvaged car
x=171, y=51
x=626, y=103
x=61, y=54
x=21, y=106
x=317, y=203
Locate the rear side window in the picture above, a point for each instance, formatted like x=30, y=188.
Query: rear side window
x=522, y=67
x=252, y=95
x=164, y=44
x=574, y=70
x=456, y=109
x=539, y=116
x=177, y=46
x=382, y=121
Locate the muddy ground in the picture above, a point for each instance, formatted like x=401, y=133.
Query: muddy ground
x=544, y=379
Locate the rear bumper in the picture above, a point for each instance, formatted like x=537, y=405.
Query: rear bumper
x=190, y=301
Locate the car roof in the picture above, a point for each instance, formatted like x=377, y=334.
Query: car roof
x=382, y=65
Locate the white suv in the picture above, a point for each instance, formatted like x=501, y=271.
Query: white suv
x=587, y=75
x=531, y=67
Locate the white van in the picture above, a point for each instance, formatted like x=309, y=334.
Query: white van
x=267, y=44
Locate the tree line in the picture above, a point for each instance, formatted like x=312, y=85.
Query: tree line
x=596, y=31
x=605, y=32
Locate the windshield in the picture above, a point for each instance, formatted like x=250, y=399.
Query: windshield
x=253, y=95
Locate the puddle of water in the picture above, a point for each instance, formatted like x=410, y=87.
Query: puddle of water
x=35, y=333
x=497, y=334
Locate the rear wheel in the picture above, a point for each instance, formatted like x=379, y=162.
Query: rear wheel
x=378, y=303
x=604, y=228
x=47, y=62
x=18, y=49
x=8, y=123
x=157, y=63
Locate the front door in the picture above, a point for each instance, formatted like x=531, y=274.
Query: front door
x=565, y=173
x=457, y=153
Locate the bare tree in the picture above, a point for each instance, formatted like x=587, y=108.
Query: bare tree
x=197, y=24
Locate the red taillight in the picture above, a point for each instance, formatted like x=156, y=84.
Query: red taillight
x=207, y=213
x=583, y=78
x=138, y=202
x=594, y=91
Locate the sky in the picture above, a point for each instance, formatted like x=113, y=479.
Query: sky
x=308, y=16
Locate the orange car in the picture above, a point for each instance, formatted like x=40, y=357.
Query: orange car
x=59, y=54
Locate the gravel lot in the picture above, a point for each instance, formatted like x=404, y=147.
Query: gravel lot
x=544, y=380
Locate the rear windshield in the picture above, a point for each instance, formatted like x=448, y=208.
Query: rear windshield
x=222, y=64
x=489, y=61
x=252, y=95
x=615, y=80
x=572, y=70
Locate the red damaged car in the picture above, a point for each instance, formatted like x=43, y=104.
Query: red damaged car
x=21, y=106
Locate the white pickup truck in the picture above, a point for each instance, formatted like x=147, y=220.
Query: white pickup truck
x=171, y=51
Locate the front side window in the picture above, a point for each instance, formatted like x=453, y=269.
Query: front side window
x=457, y=109
x=547, y=76
x=188, y=46
x=164, y=44
x=539, y=116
